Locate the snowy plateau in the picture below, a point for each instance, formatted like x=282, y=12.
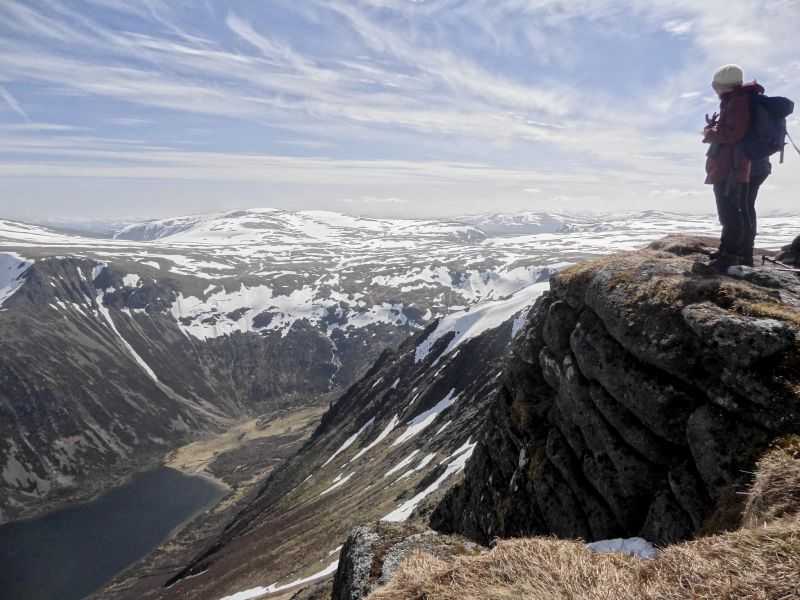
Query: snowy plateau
x=267, y=269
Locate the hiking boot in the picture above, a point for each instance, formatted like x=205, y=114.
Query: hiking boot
x=723, y=262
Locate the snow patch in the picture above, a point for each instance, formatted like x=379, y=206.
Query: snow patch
x=271, y=589
x=12, y=268
x=402, y=464
x=442, y=428
x=131, y=280
x=635, y=546
x=422, y=421
x=349, y=441
x=474, y=321
x=98, y=268
x=336, y=483
x=106, y=314
x=459, y=460
x=382, y=436
x=422, y=464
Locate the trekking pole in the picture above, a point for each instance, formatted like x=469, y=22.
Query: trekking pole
x=793, y=144
x=784, y=266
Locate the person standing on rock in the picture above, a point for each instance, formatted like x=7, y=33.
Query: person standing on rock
x=727, y=167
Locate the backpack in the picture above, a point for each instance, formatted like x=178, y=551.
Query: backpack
x=767, y=132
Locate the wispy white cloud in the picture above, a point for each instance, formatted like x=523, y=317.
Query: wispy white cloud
x=12, y=103
x=500, y=85
x=678, y=27
x=130, y=121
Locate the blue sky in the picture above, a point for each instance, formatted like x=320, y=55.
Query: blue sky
x=381, y=107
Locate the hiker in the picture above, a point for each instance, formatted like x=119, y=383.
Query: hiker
x=727, y=167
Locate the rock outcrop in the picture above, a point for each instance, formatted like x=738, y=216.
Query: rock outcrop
x=372, y=554
x=636, y=401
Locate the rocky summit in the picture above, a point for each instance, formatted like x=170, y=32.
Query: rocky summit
x=637, y=400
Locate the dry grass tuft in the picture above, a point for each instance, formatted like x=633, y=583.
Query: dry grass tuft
x=775, y=492
x=681, y=244
x=759, y=561
x=771, y=309
x=523, y=568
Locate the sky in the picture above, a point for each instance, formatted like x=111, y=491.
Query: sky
x=418, y=108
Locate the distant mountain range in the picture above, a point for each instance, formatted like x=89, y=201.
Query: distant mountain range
x=115, y=350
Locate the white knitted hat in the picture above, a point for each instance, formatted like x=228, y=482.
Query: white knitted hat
x=729, y=75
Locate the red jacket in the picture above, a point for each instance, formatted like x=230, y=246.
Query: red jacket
x=731, y=127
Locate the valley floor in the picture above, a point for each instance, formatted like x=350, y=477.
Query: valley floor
x=241, y=458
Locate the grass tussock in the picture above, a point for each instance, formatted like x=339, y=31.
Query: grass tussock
x=759, y=561
x=771, y=309
x=775, y=492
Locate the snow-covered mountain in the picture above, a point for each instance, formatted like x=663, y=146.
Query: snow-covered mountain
x=115, y=350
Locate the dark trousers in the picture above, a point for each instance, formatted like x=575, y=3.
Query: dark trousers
x=731, y=209
x=749, y=215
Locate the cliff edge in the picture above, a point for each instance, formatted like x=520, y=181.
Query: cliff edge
x=636, y=402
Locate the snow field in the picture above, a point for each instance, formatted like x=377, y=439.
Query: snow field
x=458, y=460
x=474, y=321
x=272, y=588
x=12, y=268
x=424, y=420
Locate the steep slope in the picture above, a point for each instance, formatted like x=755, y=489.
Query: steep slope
x=386, y=449
x=639, y=396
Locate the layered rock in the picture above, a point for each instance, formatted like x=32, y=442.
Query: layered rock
x=636, y=401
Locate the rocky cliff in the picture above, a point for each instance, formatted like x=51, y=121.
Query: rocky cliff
x=636, y=401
